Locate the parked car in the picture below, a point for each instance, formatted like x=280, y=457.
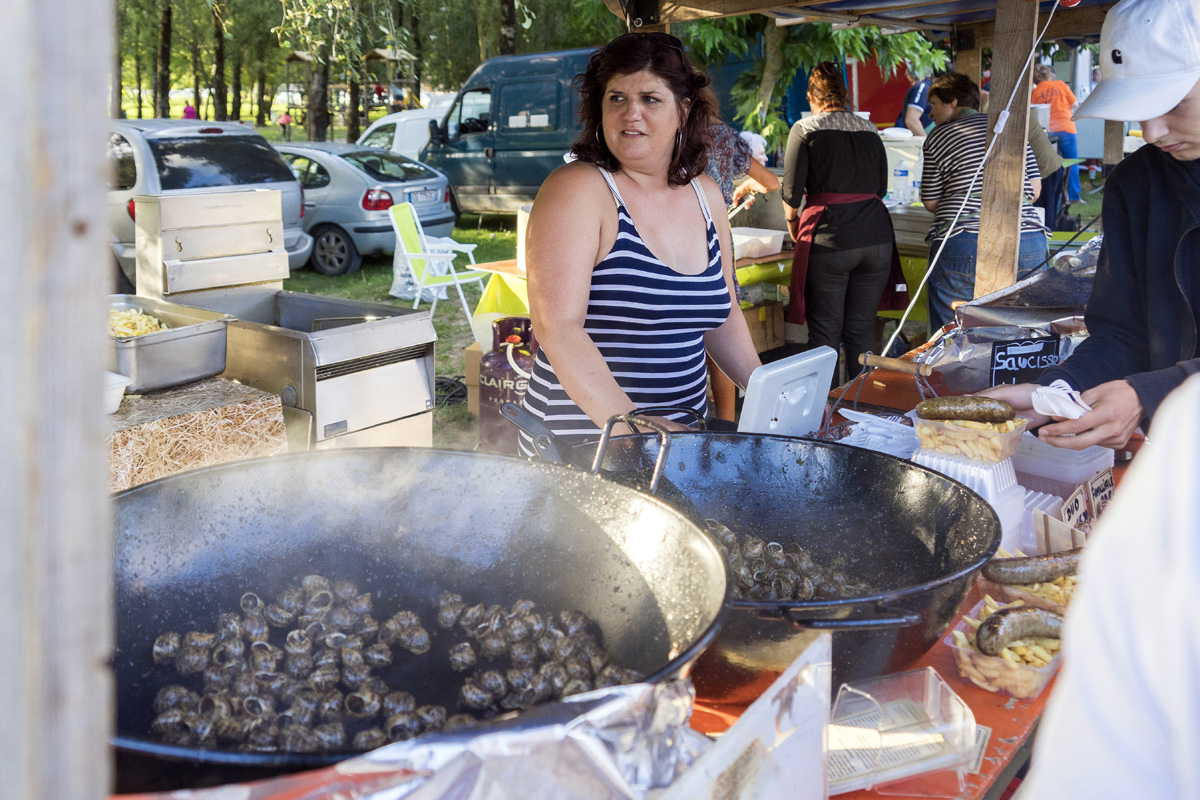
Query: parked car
x=348, y=190
x=156, y=157
x=404, y=132
x=512, y=122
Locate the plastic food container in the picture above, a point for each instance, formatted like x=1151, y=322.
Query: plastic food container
x=996, y=674
x=994, y=481
x=114, y=391
x=947, y=436
x=756, y=242
x=1044, y=468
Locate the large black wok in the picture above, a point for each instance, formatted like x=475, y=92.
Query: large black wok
x=405, y=524
x=914, y=535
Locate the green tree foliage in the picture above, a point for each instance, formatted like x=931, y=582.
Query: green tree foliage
x=759, y=91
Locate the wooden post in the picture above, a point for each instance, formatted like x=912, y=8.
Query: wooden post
x=1003, y=176
x=1114, y=144
x=55, y=538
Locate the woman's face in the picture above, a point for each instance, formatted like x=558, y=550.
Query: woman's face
x=941, y=112
x=639, y=118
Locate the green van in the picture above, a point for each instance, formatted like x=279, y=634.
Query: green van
x=509, y=127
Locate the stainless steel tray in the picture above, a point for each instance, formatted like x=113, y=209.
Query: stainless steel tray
x=193, y=346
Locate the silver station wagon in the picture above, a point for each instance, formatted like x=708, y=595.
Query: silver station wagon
x=348, y=190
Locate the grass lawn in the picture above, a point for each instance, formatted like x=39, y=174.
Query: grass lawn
x=496, y=237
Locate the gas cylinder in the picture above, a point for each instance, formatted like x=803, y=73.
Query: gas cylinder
x=503, y=377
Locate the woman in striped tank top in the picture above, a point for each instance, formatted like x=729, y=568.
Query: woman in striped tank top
x=630, y=275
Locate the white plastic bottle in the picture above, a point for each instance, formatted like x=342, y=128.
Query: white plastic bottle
x=902, y=182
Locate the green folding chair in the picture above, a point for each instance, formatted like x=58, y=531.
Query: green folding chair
x=429, y=263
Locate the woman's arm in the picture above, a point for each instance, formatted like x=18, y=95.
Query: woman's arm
x=761, y=180
x=729, y=344
x=572, y=212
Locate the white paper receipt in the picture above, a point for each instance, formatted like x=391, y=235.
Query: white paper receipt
x=1059, y=400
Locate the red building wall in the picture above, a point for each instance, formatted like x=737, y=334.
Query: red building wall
x=877, y=94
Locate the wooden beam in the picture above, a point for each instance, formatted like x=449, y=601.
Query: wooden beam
x=55, y=540
x=1003, y=176
x=1114, y=144
x=1067, y=22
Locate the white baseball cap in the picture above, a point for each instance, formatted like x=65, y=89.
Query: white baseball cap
x=1149, y=59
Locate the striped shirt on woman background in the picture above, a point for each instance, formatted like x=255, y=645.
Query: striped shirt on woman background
x=953, y=152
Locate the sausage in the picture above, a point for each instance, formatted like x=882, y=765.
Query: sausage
x=1010, y=624
x=1034, y=569
x=976, y=409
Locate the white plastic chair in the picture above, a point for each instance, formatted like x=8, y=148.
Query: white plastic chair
x=427, y=262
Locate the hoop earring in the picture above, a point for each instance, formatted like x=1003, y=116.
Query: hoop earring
x=678, y=139
x=599, y=141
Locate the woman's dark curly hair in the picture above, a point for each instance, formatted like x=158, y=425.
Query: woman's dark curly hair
x=956, y=86
x=662, y=55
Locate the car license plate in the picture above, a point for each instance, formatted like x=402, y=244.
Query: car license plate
x=430, y=196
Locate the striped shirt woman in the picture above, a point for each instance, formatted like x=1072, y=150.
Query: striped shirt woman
x=648, y=322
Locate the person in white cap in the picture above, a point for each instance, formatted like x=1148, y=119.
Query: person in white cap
x=1142, y=314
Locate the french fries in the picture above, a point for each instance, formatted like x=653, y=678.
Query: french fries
x=984, y=441
x=132, y=322
x=1021, y=669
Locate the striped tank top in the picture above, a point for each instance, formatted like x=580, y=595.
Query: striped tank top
x=648, y=321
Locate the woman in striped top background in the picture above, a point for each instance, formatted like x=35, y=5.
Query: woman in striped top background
x=953, y=152
x=630, y=275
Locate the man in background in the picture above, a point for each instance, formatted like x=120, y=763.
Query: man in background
x=914, y=114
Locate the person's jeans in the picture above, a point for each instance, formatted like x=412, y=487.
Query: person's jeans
x=1068, y=148
x=954, y=276
x=841, y=298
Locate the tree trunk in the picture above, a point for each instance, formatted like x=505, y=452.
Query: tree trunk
x=481, y=31
x=154, y=82
x=414, y=27
x=773, y=36
x=162, y=81
x=353, y=120
x=264, y=102
x=115, y=100
x=508, y=28
x=236, y=111
x=197, y=69
x=318, y=102
x=137, y=65
x=220, y=91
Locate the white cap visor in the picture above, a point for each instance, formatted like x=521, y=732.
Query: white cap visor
x=1136, y=99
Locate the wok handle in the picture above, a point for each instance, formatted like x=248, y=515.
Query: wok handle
x=631, y=420
x=543, y=439
x=659, y=411
x=885, y=617
x=895, y=364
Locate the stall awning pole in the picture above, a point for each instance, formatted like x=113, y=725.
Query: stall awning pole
x=1000, y=215
x=55, y=537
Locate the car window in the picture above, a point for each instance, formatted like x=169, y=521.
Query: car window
x=310, y=174
x=122, y=172
x=470, y=114
x=380, y=137
x=388, y=166
x=203, y=162
x=529, y=106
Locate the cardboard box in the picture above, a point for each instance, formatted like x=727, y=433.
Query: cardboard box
x=471, y=358
x=766, y=325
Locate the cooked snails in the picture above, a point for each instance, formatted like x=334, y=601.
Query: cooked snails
x=398, y=702
x=362, y=704
x=330, y=735
x=252, y=604
x=462, y=657
x=314, y=583
x=402, y=727
x=166, y=647
x=377, y=655
x=432, y=717
x=370, y=739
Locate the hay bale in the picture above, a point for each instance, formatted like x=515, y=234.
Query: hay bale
x=200, y=424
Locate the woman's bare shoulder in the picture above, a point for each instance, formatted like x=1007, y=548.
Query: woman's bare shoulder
x=574, y=178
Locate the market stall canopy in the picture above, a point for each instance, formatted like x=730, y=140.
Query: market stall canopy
x=899, y=15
